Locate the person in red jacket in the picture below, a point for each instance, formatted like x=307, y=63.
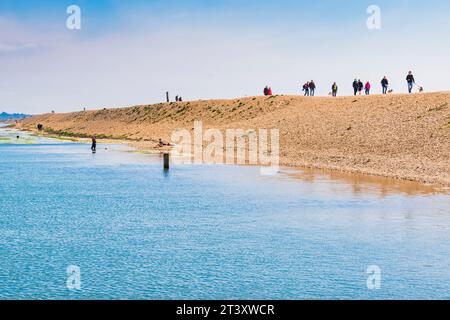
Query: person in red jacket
x=367, y=87
x=269, y=93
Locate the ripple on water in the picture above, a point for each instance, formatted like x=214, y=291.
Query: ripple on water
x=208, y=232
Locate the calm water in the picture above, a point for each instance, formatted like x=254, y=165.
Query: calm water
x=208, y=232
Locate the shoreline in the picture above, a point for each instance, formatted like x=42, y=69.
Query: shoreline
x=361, y=183
x=402, y=137
x=333, y=173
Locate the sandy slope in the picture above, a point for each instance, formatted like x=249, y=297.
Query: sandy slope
x=400, y=136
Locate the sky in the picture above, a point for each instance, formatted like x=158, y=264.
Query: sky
x=132, y=52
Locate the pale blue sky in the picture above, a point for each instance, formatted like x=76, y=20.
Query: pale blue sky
x=131, y=52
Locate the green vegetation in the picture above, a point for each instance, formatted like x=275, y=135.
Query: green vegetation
x=66, y=139
x=20, y=140
x=65, y=133
x=73, y=135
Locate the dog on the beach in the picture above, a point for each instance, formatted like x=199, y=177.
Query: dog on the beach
x=391, y=91
x=420, y=89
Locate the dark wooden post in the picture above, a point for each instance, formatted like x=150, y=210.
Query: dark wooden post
x=167, y=96
x=166, y=161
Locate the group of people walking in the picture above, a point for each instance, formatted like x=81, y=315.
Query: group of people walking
x=268, y=91
x=358, y=87
x=309, y=88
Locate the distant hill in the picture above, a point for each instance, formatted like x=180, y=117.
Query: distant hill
x=12, y=116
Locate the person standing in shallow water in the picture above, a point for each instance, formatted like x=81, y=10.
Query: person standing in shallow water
x=94, y=144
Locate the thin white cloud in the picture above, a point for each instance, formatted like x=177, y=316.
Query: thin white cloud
x=16, y=47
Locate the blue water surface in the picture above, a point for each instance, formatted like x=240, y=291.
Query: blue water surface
x=206, y=232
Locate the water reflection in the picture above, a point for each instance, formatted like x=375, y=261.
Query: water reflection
x=360, y=184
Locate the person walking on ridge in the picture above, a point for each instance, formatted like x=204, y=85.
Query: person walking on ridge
x=360, y=86
x=385, y=85
x=411, y=81
x=334, y=89
x=367, y=87
x=312, y=88
x=355, y=87
x=306, y=89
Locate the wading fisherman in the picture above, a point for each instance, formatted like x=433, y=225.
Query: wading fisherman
x=94, y=144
